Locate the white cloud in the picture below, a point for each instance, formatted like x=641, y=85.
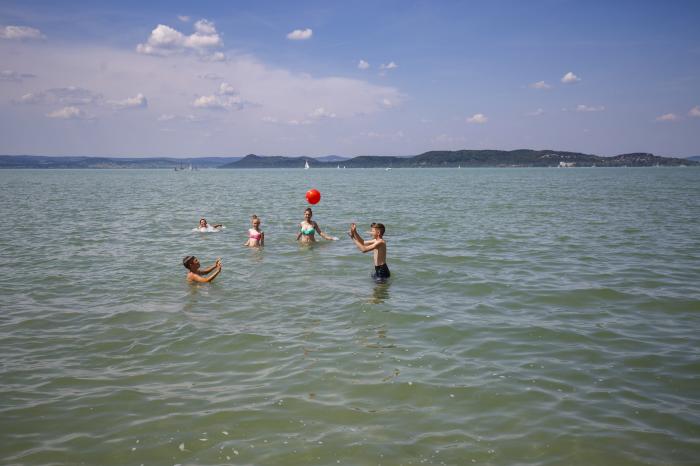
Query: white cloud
x=570, y=78
x=62, y=95
x=165, y=40
x=208, y=101
x=540, y=85
x=139, y=101
x=20, y=33
x=587, y=108
x=226, y=98
x=389, y=66
x=172, y=84
x=69, y=113
x=269, y=119
x=226, y=89
x=320, y=113
x=181, y=118
x=694, y=112
x=216, y=56
x=537, y=112
x=221, y=102
x=300, y=34
x=162, y=41
x=204, y=27
x=363, y=65
x=9, y=75
x=184, y=18
x=478, y=118
x=668, y=117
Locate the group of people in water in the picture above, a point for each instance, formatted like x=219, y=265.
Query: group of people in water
x=307, y=234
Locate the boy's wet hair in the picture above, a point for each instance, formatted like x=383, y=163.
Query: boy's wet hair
x=380, y=227
x=187, y=260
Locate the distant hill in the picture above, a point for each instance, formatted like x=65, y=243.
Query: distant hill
x=432, y=159
x=256, y=161
x=331, y=158
x=33, y=161
x=469, y=158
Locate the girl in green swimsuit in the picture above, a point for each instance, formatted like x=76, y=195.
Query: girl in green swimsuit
x=308, y=228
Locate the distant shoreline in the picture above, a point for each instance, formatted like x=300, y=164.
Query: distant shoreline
x=522, y=158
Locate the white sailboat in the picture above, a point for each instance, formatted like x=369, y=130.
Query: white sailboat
x=306, y=164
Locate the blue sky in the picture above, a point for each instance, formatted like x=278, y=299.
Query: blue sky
x=348, y=78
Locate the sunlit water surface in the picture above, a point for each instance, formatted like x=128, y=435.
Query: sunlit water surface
x=534, y=317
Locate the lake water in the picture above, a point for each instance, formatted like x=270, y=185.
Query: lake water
x=533, y=317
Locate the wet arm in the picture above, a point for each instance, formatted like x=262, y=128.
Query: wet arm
x=212, y=276
x=199, y=278
x=355, y=236
x=322, y=234
x=206, y=271
x=364, y=246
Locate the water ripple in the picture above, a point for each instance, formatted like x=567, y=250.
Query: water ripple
x=534, y=317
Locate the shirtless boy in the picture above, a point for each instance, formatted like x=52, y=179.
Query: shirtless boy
x=376, y=244
x=194, y=274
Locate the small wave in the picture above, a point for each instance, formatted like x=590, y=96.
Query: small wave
x=209, y=229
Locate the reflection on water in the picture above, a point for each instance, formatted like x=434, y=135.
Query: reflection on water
x=256, y=254
x=380, y=292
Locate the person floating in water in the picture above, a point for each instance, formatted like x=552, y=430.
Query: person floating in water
x=194, y=274
x=376, y=244
x=256, y=238
x=204, y=226
x=308, y=228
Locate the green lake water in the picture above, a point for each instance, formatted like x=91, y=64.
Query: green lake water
x=533, y=317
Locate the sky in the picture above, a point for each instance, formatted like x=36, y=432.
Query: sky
x=190, y=79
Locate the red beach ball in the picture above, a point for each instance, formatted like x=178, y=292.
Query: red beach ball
x=313, y=196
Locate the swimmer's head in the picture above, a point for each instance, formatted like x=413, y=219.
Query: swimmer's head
x=378, y=228
x=308, y=213
x=190, y=262
x=255, y=220
x=202, y=222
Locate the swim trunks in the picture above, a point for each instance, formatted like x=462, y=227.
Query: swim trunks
x=381, y=272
